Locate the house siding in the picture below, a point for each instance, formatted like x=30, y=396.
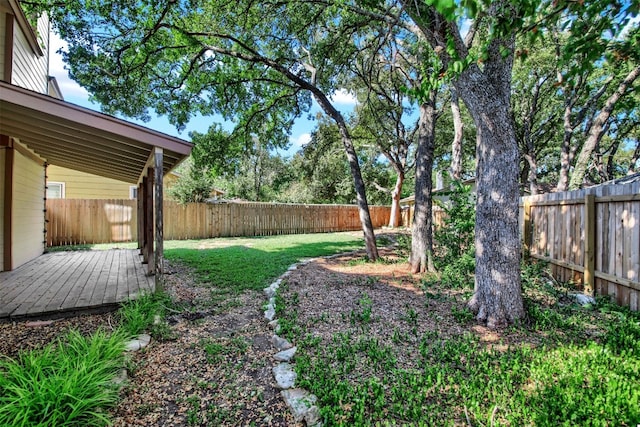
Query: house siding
x=27, y=210
x=80, y=185
x=2, y=157
x=30, y=69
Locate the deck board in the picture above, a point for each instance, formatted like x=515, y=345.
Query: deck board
x=36, y=286
x=64, y=282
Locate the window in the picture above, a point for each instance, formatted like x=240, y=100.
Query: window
x=133, y=192
x=55, y=190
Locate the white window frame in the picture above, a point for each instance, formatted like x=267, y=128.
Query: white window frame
x=62, y=189
x=133, y=191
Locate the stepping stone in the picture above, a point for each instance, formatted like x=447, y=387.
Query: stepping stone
x=303, y=406
x=583, y=299
x=280, y=343
x=285, y=375
x=285, y=355
x=275, y=325
x=141, y=342
x=270, y=313
x=121, y=378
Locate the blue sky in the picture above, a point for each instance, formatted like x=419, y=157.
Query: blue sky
x=75, y=94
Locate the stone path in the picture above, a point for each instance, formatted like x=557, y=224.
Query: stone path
x=301, y=403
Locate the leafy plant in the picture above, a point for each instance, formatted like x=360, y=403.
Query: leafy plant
x=68, y=383
x=454, y=240
x=462, y=315
x=139, y=314
x=455, y=237
x=363, y=315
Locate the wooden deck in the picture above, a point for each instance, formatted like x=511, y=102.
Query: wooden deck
x=61, y=283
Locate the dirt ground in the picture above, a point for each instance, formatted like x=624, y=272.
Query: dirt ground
x=216, y=369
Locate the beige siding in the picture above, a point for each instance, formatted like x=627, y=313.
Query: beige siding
x=30, y=69
x=80, y=185
x=28, y=206
x=2, y=156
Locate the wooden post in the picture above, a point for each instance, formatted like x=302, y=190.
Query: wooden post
x=148, y=222
x=527, y=231
x=158, y=200
x=143, y=220
x=6, y=144
x=589, y=243
x=140, y=217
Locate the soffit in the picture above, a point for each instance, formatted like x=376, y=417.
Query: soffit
x=74, y=137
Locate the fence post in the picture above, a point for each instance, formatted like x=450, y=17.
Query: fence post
x=526, y=234
x=589, y=243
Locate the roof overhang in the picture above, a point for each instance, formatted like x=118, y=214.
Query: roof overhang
x=77, y=138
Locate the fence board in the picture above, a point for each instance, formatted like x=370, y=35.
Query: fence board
x=558, y=230
x=80, y=221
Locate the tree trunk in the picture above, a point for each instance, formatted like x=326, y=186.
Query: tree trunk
x=633, y=164
x=458, y=129
x=497, y=298
x=421, y=258
x=565, y=151
x=598, y=129
x=394, y=218
x=354, y=164
x=532, y=175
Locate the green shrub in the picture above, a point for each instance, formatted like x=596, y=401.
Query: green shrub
x=68, y=383
x=454, y=240
x=456, y=235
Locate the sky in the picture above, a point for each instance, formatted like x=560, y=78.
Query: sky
x=75, y=94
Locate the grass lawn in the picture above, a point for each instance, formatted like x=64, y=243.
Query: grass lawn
x=238, y=264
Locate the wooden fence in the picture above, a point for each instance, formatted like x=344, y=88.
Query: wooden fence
x=406, y=216
x=86, y=221
x=590, y=237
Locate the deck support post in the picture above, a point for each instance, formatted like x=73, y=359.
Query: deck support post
x=140, y=216
x=6, y=144
x=148, y=222
x=158, y=201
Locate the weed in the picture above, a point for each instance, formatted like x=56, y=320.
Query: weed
x=383, y=240
x=162, y=332
x=462, y=315
x=436, y=296
x=138, y=315
x=363, y=315
x=358, y=261
x=411, y=316
x=399, y=337
x=216, y=351
x=193, y=411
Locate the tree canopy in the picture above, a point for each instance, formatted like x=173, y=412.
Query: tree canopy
x=549, y=91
